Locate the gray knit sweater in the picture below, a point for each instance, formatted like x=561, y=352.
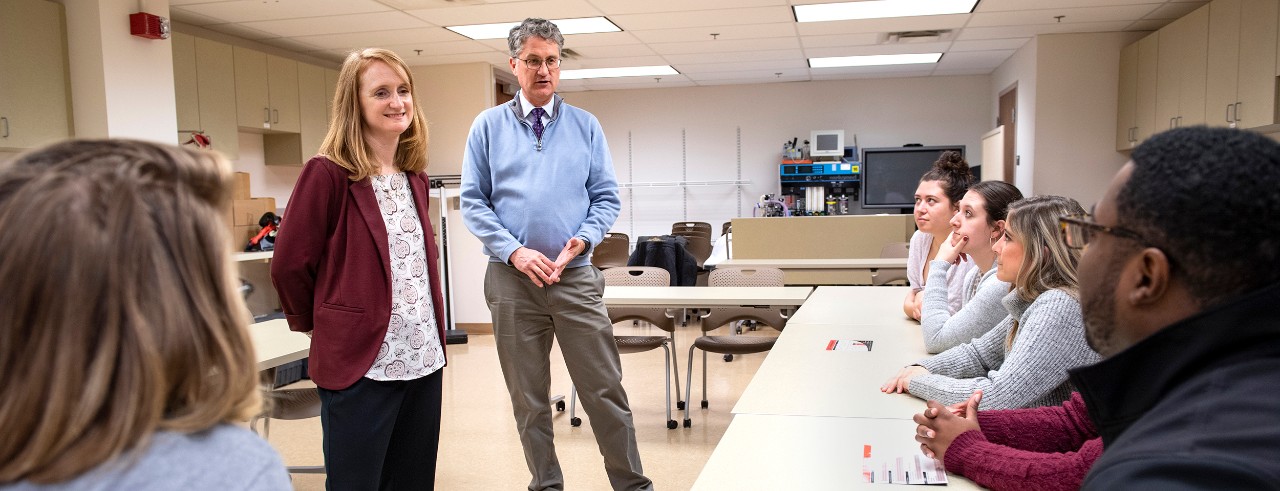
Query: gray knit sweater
x=1050, y=341
x=981, y=312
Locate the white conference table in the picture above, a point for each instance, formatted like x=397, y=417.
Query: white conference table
x=855, y=305
x=252, y=256
x=800, y=377
x=676, y=297
x=276, y=345
x=763, y=452
x=817, y=263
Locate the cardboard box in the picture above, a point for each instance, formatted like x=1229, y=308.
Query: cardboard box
x=240, y=235
x=248, y=211
x=240, y=186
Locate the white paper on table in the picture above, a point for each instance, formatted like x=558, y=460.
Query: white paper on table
x=902, y=469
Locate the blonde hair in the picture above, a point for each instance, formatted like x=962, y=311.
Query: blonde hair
x=121, y=315
x=1047, y=262
x=344, y=143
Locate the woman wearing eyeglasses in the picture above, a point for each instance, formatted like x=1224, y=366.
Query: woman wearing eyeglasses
x=1023, y=361
x=937, y=200
x=978, y=225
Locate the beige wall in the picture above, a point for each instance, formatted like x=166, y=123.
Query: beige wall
x=647, y=130
x=1020, y=70
x=1076, y=99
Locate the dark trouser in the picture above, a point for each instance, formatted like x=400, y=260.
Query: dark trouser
x=382, y=435
x=526, y=318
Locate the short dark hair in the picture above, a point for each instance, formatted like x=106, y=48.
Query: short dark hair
x=953, y=171
x=1202, y=195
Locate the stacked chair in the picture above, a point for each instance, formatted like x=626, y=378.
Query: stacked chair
x=612, y=251
x=888, y=275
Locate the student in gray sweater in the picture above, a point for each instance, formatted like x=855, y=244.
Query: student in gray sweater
x=1023, y=361
x=978, y=224
x=127, y=362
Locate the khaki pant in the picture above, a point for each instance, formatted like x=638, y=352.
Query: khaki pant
x=525, y=319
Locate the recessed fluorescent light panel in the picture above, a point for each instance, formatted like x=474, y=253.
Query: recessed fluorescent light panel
x=585, y=25
x=629, y=71
x=874, y=60
x=880, y=9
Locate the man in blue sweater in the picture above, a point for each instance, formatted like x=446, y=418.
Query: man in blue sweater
x=537, y=182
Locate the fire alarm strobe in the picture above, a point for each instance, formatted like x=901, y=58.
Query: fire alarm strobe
x=148, y=26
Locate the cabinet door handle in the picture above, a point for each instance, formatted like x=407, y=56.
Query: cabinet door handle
x=1171, y=122
x=1178, y=123
x=1237, y=111
x=1131, y=130
x=6, y=126
x=275, y=116
x=266, y=115
x=1229, y=106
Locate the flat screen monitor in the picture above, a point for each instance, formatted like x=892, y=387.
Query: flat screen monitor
x=826, y=143
x=890, y=175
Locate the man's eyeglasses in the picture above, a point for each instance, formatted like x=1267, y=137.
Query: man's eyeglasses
x=535, y=64
x=1077, y=231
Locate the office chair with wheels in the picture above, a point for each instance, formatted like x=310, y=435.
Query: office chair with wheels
x=719, y=316
x=288, y=404
x=641, y=276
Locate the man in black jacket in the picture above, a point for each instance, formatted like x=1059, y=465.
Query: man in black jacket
x=1180, y=287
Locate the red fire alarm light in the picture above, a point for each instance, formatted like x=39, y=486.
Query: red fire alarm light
x=148, y=26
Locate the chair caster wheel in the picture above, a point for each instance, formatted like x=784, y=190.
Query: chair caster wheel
x=679, y=404
x=560, y=406
x=671, y=424
x=575, y=422
x=688, y=424
x=728, y=358
x=704, y=404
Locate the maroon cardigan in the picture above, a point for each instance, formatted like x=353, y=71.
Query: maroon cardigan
x=332, y=269
x=1046, y=448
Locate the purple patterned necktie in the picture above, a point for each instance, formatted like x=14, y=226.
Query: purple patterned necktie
x=536, y=115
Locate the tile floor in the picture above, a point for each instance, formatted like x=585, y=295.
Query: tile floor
x=479, y=449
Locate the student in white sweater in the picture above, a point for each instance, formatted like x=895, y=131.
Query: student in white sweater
x=978, y=224
x=937, y=200
x=1023, y=361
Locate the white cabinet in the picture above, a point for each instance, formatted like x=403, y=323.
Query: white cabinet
x=266, y=91
x=1144, y=121
x=1242, y=63
x=34, y=108
x=1182, y=67
x=1127, y=103
x=295, y=149
x=206, y=95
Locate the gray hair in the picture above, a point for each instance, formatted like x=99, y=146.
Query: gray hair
x=532, y=27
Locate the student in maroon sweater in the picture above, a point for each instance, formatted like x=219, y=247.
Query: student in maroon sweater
x=1045, y=448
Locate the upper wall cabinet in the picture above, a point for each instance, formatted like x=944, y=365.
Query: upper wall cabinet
x=206, y=96
x=297, y=148
x=266, y=91
x=1137, y=105
x=34, y=93
x=1241, y=85
x=1182, y=65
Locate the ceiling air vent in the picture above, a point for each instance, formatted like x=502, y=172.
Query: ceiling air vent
x=917, y=37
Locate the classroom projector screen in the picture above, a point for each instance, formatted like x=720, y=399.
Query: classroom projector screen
x=890, y=175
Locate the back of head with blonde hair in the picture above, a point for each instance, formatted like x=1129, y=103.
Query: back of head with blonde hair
x=121, y=315
x=1047, y=262
x=344, y=143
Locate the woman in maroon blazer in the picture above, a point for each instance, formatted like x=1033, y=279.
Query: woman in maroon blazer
x=355, y=267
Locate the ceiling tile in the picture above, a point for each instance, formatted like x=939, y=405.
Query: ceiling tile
x=1070, y=16
x=290, y=44
x=871, y=72
x=882, y=49
x=962, y=71
x=973, y=59
x=862, y=39
x=659, y=79
x=493, y=13
x=1005, y=5
x=897, y=24
x=574, y=41
x=414, y=60
x=613, y=62
x=732, y=45
x=703, y=18
x=381, y=38
x=240, y=31
x=258, y=10
x=339, y=24
x=770, y=66
x=1148, y=25
x=656, y=6
x=193, y=2
x=758, y=75
x=192, y=18
x=1174, y=10
x=783, y=54
x=971, y=33
x=988, y=44
x=625, y=51
x=724, y=33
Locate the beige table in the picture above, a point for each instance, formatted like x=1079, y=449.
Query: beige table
x=818, y=271
x=276, y=345
x=760, y=452
x=705, y=296
x=865, y=305
x=252, y=256
x=800, y=377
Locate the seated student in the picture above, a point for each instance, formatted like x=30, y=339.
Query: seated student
x=978, y=224
x=1046, y=448
x=937, y=200
x=124, y=355
x=1023, y=361
x=1179, y=282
